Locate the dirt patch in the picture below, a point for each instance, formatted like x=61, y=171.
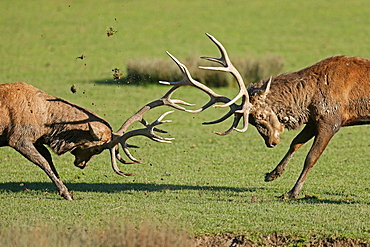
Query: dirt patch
x=232, y=240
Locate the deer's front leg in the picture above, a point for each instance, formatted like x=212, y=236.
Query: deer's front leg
x=321, y=141
x=28, y=150
x=46, y=154
x=304, y=136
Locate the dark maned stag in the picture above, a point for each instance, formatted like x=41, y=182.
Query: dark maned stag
x=332, y=93
x=31, y=118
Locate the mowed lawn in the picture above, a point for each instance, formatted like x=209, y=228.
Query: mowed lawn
x=202, y=183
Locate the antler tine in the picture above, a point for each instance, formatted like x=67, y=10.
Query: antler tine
x=146, y=123
x=232, y=128
x=113, y=154
x=186, y=77
x=119, y=157
x=232, y=110
x=187, y=80
x=165, y=100
x=237, y=117
x=224, y=60
x=147, y=132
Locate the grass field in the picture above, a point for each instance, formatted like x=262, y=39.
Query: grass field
x=201, y=183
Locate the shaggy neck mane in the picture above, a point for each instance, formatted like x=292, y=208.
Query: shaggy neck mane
x=64, y=138
x=290, y=96
x=71, y=129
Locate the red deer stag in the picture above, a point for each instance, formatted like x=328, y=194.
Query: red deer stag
x=332, y=93
x=32, y=118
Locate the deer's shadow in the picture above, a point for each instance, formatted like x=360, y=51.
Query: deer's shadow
x=152, y=187
x=115, y=187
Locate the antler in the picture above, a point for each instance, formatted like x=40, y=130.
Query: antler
x=121, y=136
x=239, y=111
x=229, y=67
x=147, y=132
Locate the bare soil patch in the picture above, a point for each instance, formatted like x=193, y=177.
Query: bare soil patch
x=232, y=240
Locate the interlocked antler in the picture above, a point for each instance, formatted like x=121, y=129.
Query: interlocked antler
x=121, y=136
x=147, y=132
x=239, y=111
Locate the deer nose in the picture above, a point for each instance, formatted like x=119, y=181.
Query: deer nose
x=271, y=145
x=80, y=163
x=272, y=141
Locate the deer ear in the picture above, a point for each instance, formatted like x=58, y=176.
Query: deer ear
x=265, y=89
x=94, y=132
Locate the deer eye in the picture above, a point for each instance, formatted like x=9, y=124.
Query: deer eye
x=261, y=116
x=96, y=150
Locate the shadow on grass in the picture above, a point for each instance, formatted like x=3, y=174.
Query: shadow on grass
x=119, y=187
x=115, y=187
x=315, y=200
x=123, y=81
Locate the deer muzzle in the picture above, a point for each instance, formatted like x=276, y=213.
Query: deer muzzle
x=80, y=164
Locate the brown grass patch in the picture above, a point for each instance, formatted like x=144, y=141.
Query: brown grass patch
x=129, y=236
x=154, y=70
x=233, y=240
x=149, y=235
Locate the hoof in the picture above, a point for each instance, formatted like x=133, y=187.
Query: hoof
x=271, y=176
x=283, y=196
x=287, y=196
x=67, y=196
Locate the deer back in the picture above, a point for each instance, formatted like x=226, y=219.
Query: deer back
x=29, y=113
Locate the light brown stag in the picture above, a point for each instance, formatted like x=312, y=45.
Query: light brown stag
x=332, y=93
x=31, y=118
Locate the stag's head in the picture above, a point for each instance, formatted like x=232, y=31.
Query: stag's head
x=262, y=115
x=253, y=108
x=99, y=134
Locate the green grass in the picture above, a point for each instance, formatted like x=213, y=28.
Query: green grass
x=202, y=183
